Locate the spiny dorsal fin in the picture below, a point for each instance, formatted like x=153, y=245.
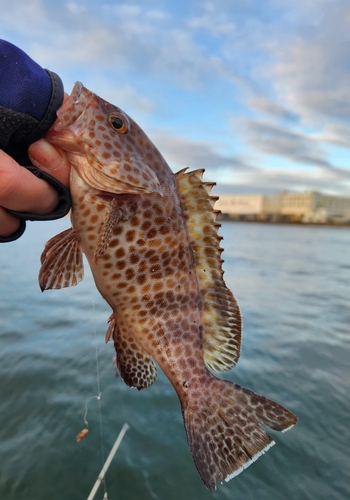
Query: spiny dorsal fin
x=221, y=316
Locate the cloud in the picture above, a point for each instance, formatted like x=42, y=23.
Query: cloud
x=280, y=68
x=265, y=181
x=311, y=69
x=297, y=72
x=275, y=140
x=185, y=152
x=272, y=108
x=335, y=133
x=123, y=37
x=213, y=19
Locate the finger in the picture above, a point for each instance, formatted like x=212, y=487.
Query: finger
x=22, y=191
x=50, y=159
x=8, y=224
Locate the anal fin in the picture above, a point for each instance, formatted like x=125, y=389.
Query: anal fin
x=135, y=366
x=61, y=262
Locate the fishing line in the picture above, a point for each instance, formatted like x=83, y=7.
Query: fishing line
x=105, y=464
x=85, y=431
x=99, y=398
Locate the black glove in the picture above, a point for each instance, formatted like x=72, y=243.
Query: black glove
x=29, y=99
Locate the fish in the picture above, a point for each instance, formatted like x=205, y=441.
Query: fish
x=151, y=239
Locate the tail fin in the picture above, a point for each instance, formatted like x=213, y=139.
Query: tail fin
x=224, y=433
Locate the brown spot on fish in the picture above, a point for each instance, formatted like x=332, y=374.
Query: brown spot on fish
x=120, y=252
x=129, y=274
x=130, y=236
x=134, y=258
x=141, y=278
x=114, y=243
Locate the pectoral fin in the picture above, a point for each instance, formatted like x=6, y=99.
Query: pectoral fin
x=121, y=207
x=113, y=217
x=61, y=262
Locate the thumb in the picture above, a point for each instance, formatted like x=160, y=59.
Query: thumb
x=50, y=159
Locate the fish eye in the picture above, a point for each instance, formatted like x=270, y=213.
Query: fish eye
x=118, y=123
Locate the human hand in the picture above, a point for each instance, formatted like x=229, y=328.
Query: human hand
x=22, y=191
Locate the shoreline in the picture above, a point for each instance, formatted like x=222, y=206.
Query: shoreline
x=284, y=223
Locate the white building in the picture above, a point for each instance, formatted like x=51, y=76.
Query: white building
x=315, y=207
x=240, y=204
x=255, y=206
x=305, y=207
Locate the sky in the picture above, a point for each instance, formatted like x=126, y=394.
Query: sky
x=256, y=92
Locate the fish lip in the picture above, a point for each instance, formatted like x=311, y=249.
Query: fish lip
x=76, y=92
x=61, y=133
x=79, y=99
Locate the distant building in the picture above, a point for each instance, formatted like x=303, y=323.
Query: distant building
x=240, y=204
x=308, y=207
x=315, y=207
x=252, y=207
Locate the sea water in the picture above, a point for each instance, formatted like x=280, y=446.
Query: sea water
x=293, y=286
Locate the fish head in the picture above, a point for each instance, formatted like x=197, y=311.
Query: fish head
x=103, y=145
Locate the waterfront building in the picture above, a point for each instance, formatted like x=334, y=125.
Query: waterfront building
x=307, y=207
x=254, y=207
x=313, y=206
x=240, y=204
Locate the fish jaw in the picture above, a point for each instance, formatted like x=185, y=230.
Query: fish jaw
x=61, y=133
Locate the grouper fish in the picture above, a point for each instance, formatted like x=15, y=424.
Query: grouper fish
x=150, y=237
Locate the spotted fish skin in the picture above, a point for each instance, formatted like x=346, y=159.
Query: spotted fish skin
x=150, y=237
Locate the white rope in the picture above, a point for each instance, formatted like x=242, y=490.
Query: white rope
x=107, y=463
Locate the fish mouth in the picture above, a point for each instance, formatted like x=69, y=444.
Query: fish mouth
x=76, y=91
x=72, y=109
x=65, y=130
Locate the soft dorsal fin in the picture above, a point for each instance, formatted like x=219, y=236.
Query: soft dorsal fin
x=221, y=316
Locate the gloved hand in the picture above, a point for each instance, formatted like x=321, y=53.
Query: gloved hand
x=29, y=99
